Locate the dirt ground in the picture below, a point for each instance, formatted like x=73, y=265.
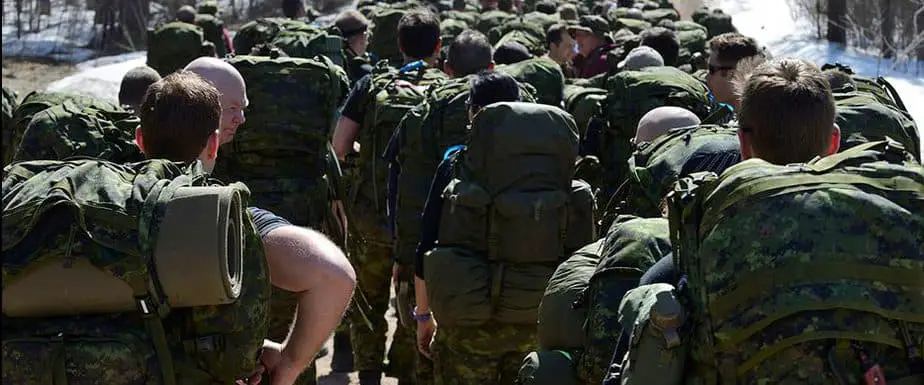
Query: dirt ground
x=27, y=75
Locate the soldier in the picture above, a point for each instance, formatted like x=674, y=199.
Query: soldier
x=562, y=48
x=134, y=85
x=725, y=52
x=354, y=27
x=664, y=41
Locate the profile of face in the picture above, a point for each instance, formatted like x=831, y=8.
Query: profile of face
x=233, y=102
x=565, y=50
x=720, y=80
x=360, y=43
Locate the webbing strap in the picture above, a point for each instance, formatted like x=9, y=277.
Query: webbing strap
x=767, y=352
x=767, y=280
x=58, y=373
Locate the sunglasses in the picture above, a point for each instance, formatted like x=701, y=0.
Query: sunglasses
x=713, y=69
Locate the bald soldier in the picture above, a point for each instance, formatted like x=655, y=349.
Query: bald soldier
x=233, y=91
x=661, y=120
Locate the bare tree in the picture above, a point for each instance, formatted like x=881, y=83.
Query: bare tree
x=837, y=16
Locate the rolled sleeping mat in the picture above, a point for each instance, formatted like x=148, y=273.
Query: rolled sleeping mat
x=198, y=257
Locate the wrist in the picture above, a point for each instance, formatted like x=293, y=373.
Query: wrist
x=421, y=315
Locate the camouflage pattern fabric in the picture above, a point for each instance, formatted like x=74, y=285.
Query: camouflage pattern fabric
x=449, y=29
x=583, y=103
x=561, y=326
x=264, y=30
x=469, y=18
x=549, y=367
x=630, y=95
x=831, y=254
x=384, y=40
x=542, y=73
x=515, y=24
x=492, y=19
x=716, y=21
x=631, y=247
x=37, y=101
x=863, y=119
x=310, y=42
x=489, y=354
x=172, y=46
x=213, y=31
x=10, y=102
x=107, y=207
x=656, y=16
x=541, y=20
x=209, y=8
x=278, y=151
x=69, y=129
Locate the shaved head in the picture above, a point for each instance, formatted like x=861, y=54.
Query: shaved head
x=230, y=84
x=661, y=120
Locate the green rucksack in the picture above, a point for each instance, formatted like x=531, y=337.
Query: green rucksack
x=384, y=40
x=631, y=247
x=543, y=74
x=172, y=46
x=864, y=119
x=213, y=30
x=533, y=43
x=10, y=102
x=504, y=230
x=561, y=325
x=820, y=261
x=632, y=25
x=655, y=16
x=279, y=150
x=311, y=42
x=583, y=103
x=716, y=22
x=630, y=95
x=492, y=19
x=549, y=367
x=81, y=300
x=392, y=94
x=264, y=30
x=37, y=101
x=420, y=142
x=656, y=165
x=70, y=129
x=469, y=18
x=449, y=29
x=515, y=24
x=541, y=20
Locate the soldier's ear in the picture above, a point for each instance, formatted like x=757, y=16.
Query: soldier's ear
x=835, y=143
x=139, y=140
x=211, y=147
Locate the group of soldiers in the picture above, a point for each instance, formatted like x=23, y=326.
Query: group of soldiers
x=571, y=192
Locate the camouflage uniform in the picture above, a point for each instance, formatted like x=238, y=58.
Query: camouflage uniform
x=487, y=354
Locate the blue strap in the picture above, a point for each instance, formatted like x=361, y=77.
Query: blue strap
x=413, y=66
x=452, y=150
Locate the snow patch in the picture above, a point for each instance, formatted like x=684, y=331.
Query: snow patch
x=61, y=35
x=100, y=78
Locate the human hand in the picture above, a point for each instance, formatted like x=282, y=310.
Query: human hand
x=425, y=332
x=278, y=366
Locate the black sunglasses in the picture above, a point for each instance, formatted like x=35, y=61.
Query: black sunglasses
x=713, y=69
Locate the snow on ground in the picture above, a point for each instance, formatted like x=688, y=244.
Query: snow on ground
x=100, y=77
x=771, y=22
x=61, y=35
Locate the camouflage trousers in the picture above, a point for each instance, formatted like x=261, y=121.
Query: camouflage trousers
x=282, y=313
x=486, y=354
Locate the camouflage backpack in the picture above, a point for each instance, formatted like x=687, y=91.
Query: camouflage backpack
x=70, y=129
x=716, y=21
x=392, y=94
x=504, y=229
x=213, y=30
x=172, y=46
x=630, y=95
x=583, y=103
x=10, y=102
x=541, y=20
x=561, y=325
x=655, y=16
x=449, y=29
x=656, y=165
x=37, y=101
x=515, y=24
x=631, y=247
x=384, y=40
x=264, y=30
x=492, y=19
x=543, y=74
x=81, y=301
x=279, y=150
x=632, y=25
x=307, y=43
x=830, y=252
x=469, y=18
x=419, y=143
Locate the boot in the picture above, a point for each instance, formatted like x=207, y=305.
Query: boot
x=370, y=378
x=342, y=361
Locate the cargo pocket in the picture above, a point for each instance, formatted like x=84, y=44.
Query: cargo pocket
x=464, y=220
x=520, y=290
x=653, y=316
x=457, y=286
x=117, y=360
x=529, y=227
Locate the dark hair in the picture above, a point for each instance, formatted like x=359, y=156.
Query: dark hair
x=510, y=53
x=135, y=84
x=729, y=48
x=492, y=87
x=839, y=80
x=469, y=53
x=419, y=33
x=178, y=115
x=290, y=8
x=788, y=110
x=555, y=34
x=664, y=41
x=186, y=14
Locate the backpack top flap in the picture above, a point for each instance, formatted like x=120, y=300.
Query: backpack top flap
x=520, y=143
x=777, y=255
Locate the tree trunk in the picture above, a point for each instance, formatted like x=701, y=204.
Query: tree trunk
x=887, y=29
x=837, y=17
x=918, y=29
